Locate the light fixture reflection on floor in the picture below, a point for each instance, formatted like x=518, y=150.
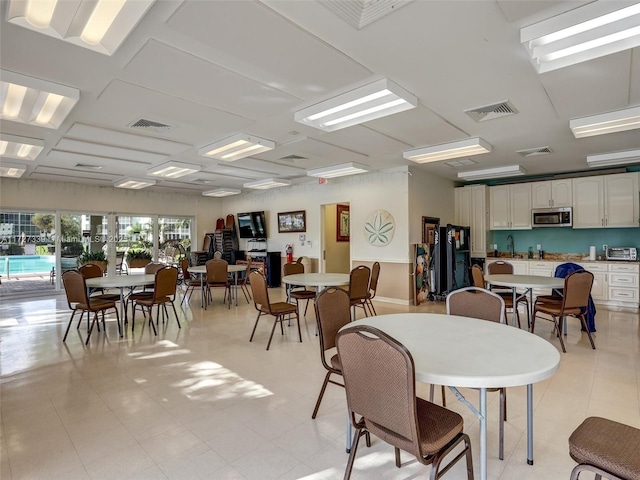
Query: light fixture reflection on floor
x=12, y=170
x=362, y=104
x=446, y=151
x=610, y=122
x=221, y=192
x=584, y=33
x=236, y=147
x=133, y=183
x=614, y=158
x=173, y=169
x=267, y=183
x=22, y=148
x=341, y=170
x=496, y=172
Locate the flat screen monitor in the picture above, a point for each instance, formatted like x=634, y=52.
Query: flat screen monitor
x=252, y=225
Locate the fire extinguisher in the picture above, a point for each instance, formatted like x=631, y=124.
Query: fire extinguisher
x=289, y=251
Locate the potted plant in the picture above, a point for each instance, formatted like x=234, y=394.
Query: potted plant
x=98, y=258
x=138, y=258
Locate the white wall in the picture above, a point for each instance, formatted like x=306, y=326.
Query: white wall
x=429, y=196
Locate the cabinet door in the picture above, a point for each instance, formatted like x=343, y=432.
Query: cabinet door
x=499, y=208
x=541, y=195
x=463, y=206
x=519, y=267
x=588, y=202
x=561, y=193
x=621, y=200
x=600, y=288
x=520, y=198
x=478, y=210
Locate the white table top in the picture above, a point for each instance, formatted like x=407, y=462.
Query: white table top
x=317, y=279
x=524, y=281
x=121, y=281
x=230, y=268
x=467, y=352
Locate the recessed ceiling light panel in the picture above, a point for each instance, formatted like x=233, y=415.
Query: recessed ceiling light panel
x=133, y=183
x=22, y=148
x=496, y=172
x=626, y=157
x=610, y=122
x=12, y=170
x=173, y=169
x=267, y=183
x=236, y=147
x=446, y=151
x=221, y=192
x=341, y=170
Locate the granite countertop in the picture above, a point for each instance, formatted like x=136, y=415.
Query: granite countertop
x=555, y=257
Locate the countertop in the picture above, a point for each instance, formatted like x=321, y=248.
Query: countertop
x=554, y=257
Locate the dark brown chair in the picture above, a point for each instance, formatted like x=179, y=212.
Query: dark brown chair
x=296, y=292
x=264, y=307
x=379, y=377
x=485, y=305
x=147, y=290
x=575, y=302
x=359, y=288
x=502, y=267
x=479, y=282
x=607, y=448
x=373, y=286
x=164, y=291
x=188, y=281
x=218, y=277
x=75, y=288
x=333, y=311
x=243, y=282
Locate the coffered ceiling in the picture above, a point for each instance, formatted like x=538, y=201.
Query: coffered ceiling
x=206, y=70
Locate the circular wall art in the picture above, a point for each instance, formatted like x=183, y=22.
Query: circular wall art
x=379, y=228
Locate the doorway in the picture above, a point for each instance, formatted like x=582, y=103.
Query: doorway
x=336, y=235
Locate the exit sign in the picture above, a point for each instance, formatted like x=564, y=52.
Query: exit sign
x=322, y=181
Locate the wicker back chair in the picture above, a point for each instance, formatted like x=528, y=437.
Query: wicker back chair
x=333, y=311
x=379, y=376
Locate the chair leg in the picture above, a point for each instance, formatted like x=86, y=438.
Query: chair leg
x=95, y=320
x=324, y=387
x=69, y=325
x=559, y=331
x=583, y=319
x=352, y=453
x=254, y=326
x=299, y=332
x=155, y=332
x=176, y=314
x=275, y=321
x=444, y=397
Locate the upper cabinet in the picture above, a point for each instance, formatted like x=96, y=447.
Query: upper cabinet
x=553, y=193
x=510, y=207
x=607, y=201
x=471, y=205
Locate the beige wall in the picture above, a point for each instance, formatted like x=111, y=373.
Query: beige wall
x=337, y=253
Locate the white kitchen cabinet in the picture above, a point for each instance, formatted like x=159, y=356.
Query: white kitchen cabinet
x=600, y=287
x=471, y=205
x=520, y=267
x=510, y=207
x=624, y=284
x=607, y=201
x=553, y=193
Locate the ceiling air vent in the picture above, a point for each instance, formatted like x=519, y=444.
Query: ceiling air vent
x=360, y=13
x=88, y=166
x=490, y=112
x=533, y=152
x=293, y=158
x=150, y=125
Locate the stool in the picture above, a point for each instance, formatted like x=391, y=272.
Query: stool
x=607, y=448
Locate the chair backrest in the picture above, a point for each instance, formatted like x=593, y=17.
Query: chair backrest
x=577, y=288
x=375, y=274
x=217, y=255
x=476, y=303
x=478, y=276
x=90, y=270
x=292, y=268
x=217, y=270
x=499, y=267
x=332, y=313
x=75, y=287
x=379, y=379
x=152, y=268
x=359, y=282
x=184, y=265
x=259, y=290
x=166, y=282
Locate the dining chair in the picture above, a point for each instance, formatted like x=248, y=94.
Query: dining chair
x=606, y=448
x=479, y=282
x=91, y=270
x=218, y=277
x=482, y=304
x=295, y=291
x=502, y=267
x=575, y=303
x=359, y=288
x=333, y=311
x=379, y=378
x=75, y=288
x=243, y=282
x=373, y=286
x=188, y=281
x=146, y=291
x=164, y=291
x=261, y=302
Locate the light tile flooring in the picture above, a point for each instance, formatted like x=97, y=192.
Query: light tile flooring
x=202, y=402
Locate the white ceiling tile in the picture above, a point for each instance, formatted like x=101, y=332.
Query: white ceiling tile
x=109, y=151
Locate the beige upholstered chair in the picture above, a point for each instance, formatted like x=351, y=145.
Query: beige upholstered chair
x=575, y=302
x=379, y=377
x=295, y=292
x=479, y=282
x=90, y=270
x=333, y=311
x=359, y=288
x=218, y=277
x=164, y=291
x=264, y=307
x=607, y=448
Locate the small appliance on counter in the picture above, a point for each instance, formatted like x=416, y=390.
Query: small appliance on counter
x=622, y=253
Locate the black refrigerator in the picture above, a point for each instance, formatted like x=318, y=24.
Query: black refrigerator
x=451, y=259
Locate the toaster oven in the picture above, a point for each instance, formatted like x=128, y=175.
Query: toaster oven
x=622, y=253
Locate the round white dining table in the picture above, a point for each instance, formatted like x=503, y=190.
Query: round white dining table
x=318, y=280
x=201, y=270
x=467, y=352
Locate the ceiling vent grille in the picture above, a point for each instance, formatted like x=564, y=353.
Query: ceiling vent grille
x=533, y=152
x=360, y=13
x=463, y=162
x=490, y=112
x=293, y=157
x=145, y=124
x=88, y=166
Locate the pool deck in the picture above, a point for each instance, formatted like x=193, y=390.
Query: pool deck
x=25, y=283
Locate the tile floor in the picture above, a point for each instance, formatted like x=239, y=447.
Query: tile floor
x=202, y=402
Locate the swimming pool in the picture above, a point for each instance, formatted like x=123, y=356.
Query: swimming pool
x=26, y=264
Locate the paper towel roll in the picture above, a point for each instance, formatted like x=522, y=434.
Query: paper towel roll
x=592, y=252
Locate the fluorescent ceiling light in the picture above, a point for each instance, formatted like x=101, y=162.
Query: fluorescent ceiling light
x=591, y=31
x=362, y=104
x=12, y=146
x=173, y=169
x=614, y=158
x=610, y=122
x=12, y=170
x=237, y=146
x=99, y=25
x=338, y=170
x=267, y=183
x=133, y=183
x=445, y=151
x=34, y=101
x=221, y=192
x=497, y=172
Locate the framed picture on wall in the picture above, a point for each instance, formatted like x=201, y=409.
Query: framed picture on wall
x=342, y=227
x=292, y=221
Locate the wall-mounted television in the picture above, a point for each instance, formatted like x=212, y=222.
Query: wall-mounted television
x=252, y=225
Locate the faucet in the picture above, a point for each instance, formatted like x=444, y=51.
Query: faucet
x=510, y=246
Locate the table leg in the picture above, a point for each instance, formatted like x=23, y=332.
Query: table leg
x=514, y=318
x=202, y=300
x=235, y=287
x=530, y=424
x=348, y=439
x=123, y=312
x=483, y=433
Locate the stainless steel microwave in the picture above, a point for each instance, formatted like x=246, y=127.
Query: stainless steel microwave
x=552, y=217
